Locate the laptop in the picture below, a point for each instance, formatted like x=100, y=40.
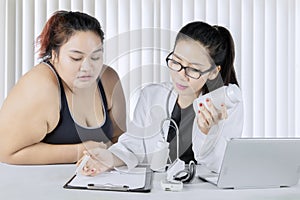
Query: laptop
x=257, y=163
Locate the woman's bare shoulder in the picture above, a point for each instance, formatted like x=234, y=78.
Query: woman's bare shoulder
x=39, y=80
x=109, y=75
x=36, y=92
x=109, y=78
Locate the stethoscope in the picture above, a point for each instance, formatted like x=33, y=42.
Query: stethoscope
x=187, y=174
x=172, y=124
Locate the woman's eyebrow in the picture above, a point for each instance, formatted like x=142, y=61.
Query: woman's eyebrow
x=189, y=62
x=76, y=51
x=97, y=50
x=80, y=52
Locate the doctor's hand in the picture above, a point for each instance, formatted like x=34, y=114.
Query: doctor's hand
x=85, y=146
x=101, y=160
x=210, y=115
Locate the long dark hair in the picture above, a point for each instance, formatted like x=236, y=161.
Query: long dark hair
x=61, y=26
x=219, y=43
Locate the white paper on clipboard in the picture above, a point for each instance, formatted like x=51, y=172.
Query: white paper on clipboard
x=133, y=179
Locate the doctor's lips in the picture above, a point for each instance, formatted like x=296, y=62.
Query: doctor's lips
x=181, y=87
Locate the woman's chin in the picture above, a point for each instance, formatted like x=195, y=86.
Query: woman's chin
x=82, y=84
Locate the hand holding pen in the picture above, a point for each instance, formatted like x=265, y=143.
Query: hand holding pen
x=98, y=160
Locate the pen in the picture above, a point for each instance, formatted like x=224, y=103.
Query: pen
x=83, y=162
x=108, y=186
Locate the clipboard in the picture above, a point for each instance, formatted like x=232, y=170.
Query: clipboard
x=111, y=187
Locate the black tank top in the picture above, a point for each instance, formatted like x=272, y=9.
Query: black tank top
x=68, y=131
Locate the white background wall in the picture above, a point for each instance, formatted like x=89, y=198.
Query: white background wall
x=140, y=33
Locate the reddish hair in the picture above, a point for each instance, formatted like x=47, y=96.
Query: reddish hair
x=61, y=26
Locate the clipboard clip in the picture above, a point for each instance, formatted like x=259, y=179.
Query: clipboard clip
x=108, y=186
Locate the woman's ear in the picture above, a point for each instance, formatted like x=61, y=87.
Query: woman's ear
x=213, y=74
x=54, y=57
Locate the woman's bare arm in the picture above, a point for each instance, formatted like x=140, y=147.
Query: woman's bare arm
x=30, y=111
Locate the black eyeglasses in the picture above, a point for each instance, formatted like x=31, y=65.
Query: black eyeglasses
x=189, y=71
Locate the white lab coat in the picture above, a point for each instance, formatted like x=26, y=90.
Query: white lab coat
x=155, y=104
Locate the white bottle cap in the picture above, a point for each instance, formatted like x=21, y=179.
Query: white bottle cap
x=233, y=93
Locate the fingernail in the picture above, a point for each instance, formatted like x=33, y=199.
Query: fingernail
x=207, y=100
x=199, y=111
x=200, y=104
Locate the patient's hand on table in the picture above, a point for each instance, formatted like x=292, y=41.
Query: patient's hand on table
x=100, y=161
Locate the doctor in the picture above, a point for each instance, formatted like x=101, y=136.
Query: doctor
x=201, y=61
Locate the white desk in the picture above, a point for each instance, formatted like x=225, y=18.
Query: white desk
x=46, y=182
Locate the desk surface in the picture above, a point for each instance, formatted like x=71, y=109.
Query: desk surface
x=46, y=182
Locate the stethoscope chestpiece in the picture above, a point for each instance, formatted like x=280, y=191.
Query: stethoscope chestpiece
x=186, y=175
